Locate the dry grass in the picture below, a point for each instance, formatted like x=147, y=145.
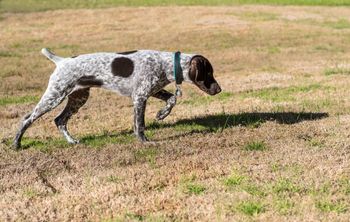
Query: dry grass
x=278, y=94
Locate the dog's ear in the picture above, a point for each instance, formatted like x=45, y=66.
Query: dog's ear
x=193, y=72
x=199, y=69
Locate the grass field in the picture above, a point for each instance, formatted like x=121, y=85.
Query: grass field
x=37, y=5
x=273, y=146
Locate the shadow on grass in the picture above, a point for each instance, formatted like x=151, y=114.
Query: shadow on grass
x=217, y=122
x=204, y=124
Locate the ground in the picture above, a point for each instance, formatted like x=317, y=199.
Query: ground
x=273, y=146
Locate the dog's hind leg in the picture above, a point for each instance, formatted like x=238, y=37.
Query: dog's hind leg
x=75, y=100
x=170, y=100
x=51, y=98
x=139, y=117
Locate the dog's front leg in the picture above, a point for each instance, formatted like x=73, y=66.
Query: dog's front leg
x=170, y=100
x=139, y=118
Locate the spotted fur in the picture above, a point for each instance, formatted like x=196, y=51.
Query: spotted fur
x=136, y=74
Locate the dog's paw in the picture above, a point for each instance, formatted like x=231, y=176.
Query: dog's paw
x=16, y=146
x=73, y=141
x=162, y=114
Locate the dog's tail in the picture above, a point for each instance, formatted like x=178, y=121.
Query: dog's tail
x=54, y=58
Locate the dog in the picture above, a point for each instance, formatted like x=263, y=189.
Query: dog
x=136, y=74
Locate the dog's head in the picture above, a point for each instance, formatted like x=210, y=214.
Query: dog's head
x=201, y=74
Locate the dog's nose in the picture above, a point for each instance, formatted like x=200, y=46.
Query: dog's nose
x=214, y=89
x=218, y=89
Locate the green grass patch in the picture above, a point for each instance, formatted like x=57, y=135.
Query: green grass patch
x=255, y=146
x=35, y=5
x=42, y=145
x=251, y=208
x=273, y=50
x=192, y=127
x=258, y=16
x=331, y=206
x=197, y=99
x=148, y=154
x=233, y=180
x=8, y=100
x=189, y=186
x=276, y=94
x=321, y=190
x=286, y=186
x=8, y=54
x=98, y=141
x=134, y=217
x=339, y=24
x=344, y=184
x=92, y=141
x=240, y=182
x=284, y=206
x=337, y=70
x=113, y=179
x=255, y=190
x=318, y=105
x=188, y=178
x=313, y=142
x=275, y=167
x=30, y=193
x=329, y=48
x=183, y=127
x=194, y=188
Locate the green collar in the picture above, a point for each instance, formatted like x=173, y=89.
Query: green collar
x=178, y=75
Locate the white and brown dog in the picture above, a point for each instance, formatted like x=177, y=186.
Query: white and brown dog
x=137, y=74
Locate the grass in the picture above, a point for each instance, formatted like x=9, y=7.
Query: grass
x=130, y=216
x=233, y=180
x=98, y=141
x=190, y=186
x=196, y=99
x=250, y=208
x=9, y=100
x=339, y=24
x=284, y=206
x=345, y=185
x=276, y=94
x=285, y=186
x=33, y=5
x=328, y=206
x=113, y=179
x=47, y=145
x=30, y=193
x=194, y=188
x=258, y=16
x=255, y=146
x=319, y=105
x=337, y=70
x=291, y=155
x=8, y=54
x=316, y=143
x=148, y=154
x=255, y=190
x=133, y=216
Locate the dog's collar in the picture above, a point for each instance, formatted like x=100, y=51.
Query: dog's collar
x=178, y=74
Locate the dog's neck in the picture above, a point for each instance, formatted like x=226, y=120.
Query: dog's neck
x=168, y=65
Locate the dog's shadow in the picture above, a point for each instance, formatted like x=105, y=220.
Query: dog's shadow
x=202, y=124
x=219, y=122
